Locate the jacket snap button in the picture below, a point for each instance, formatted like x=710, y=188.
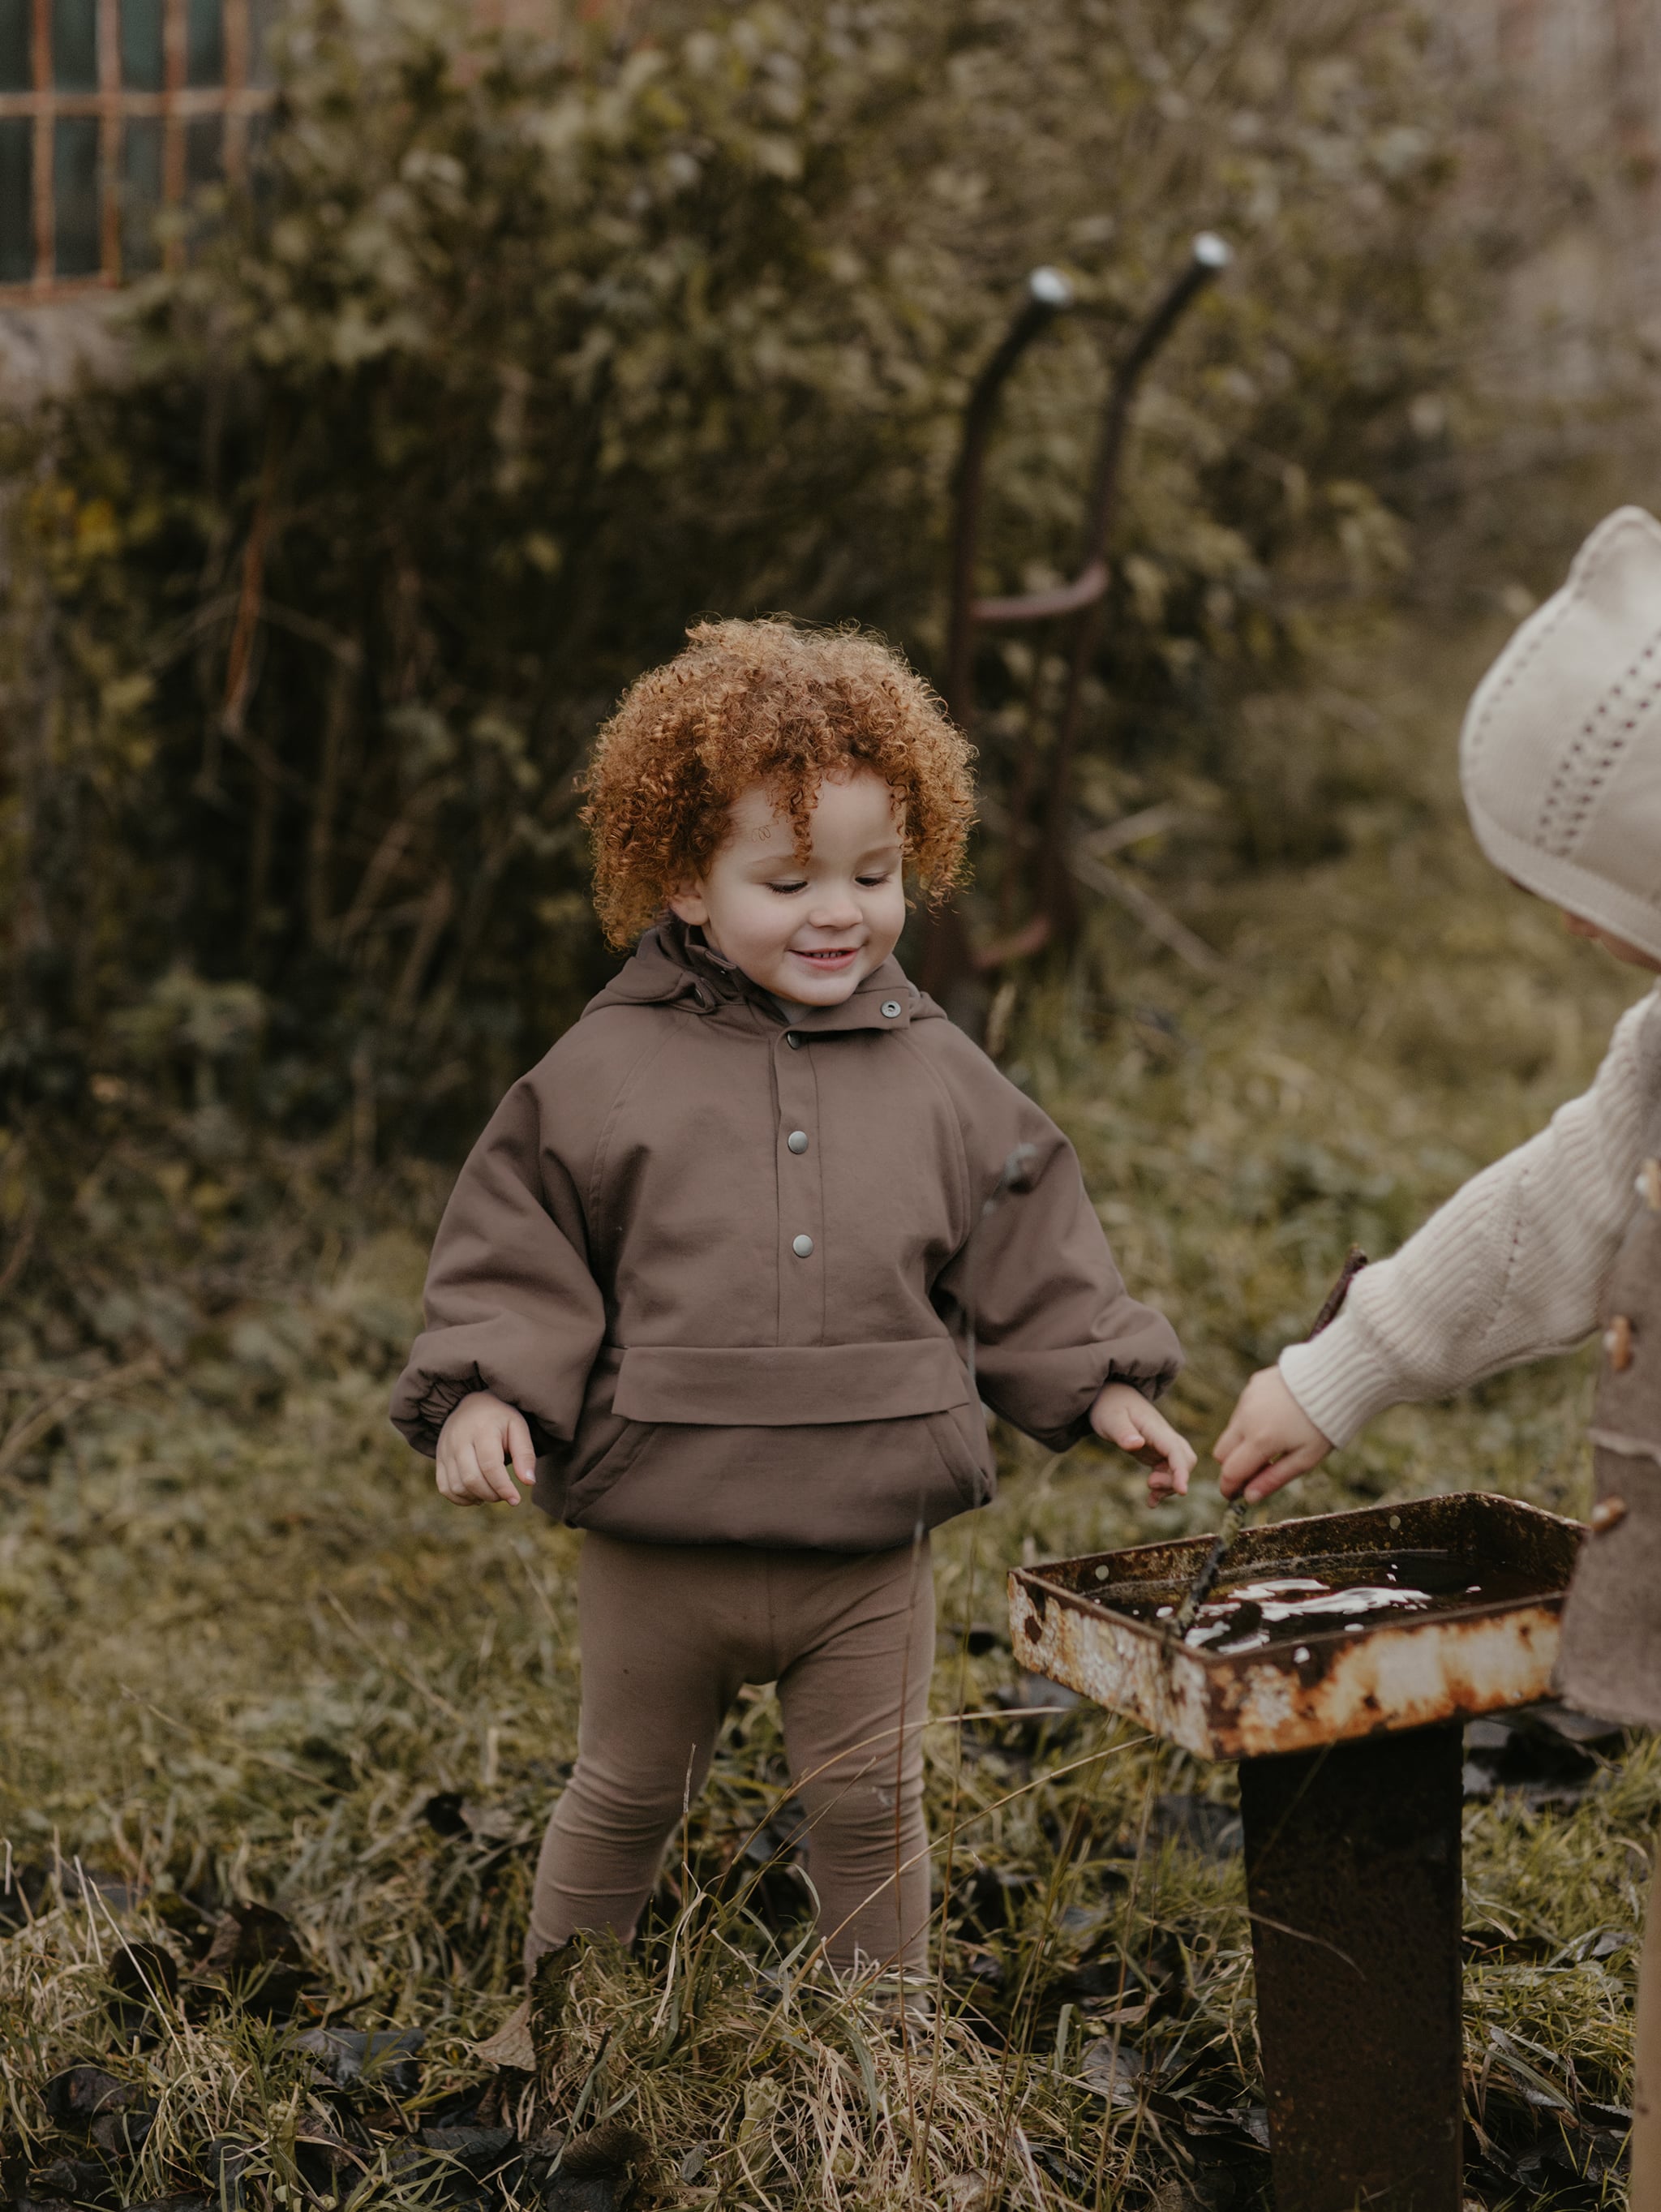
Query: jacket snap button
x=1617, y=1342
x=797, y=1140
x=802, y=1248
x=891, y=1008
x=792, y=1039
x=1608, y=1513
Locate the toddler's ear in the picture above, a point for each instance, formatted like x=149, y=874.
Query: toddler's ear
x=690, y=907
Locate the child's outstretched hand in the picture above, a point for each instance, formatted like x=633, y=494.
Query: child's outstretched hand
x=1269, y=1440
x=481, y=1447
x=1126, y=1418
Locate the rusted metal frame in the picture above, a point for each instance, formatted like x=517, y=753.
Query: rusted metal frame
x=1209, y=257
x=947, y=955
x=1332, y=1687
x=1403, y=1673
x=1088, y=586
x=1049, y=296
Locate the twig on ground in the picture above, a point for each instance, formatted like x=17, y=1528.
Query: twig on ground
x=67, y=1394
x=1158, y=920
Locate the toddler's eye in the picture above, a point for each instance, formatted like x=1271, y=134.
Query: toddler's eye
x=787, y=888
x=874, y=883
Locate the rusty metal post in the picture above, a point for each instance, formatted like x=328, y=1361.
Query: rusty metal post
x=1352, y=1869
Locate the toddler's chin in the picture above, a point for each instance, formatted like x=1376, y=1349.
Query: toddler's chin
x=819, y=990
x=811, y=987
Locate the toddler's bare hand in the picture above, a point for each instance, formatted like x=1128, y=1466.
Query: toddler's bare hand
x=481, y=1447
x=1126, y=1418
x=1269, y=1440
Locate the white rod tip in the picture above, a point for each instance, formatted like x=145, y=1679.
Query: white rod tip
x=1050, y=288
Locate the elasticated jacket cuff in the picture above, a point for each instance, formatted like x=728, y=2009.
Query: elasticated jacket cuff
x=1340, y=1379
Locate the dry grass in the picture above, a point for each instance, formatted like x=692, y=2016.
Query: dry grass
x=250, y=1654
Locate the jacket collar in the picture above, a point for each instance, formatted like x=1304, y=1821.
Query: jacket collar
x=673, y=966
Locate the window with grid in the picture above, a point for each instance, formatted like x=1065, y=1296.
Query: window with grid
x=110, y=110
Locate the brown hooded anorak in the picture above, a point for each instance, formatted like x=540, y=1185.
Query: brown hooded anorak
x=719, y=1258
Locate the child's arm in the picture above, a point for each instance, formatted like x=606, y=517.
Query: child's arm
x=1062, y=1350
x=1513, y=1267
x=514, y=1317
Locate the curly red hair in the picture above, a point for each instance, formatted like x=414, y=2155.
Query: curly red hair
x=773, y=703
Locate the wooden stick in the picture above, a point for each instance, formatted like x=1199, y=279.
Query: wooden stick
x=67, y=1393
x=1201, y=1588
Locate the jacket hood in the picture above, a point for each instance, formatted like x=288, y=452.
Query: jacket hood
x=672, y=966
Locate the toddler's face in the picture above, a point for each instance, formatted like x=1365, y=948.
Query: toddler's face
x=1630, y=956
x=808, y=930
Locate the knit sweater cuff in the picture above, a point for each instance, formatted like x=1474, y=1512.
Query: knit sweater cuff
x=1340, y=1379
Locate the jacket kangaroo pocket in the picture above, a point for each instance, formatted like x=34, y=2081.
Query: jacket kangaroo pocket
x=787, y=1386
x=847, y=1486
x=960, y=1438
x=607, y=1442
x=836, y=1448
x=588, y=1483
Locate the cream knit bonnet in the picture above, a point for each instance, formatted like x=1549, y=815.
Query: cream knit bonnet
x=1561, y=756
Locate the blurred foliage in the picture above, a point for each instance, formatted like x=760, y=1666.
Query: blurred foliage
x=524, y=355
x=524, y=352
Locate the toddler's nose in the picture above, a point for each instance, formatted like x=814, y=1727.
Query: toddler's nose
x=834, y=913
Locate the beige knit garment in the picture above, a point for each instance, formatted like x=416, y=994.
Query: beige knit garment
x=1561, y=754
x=1512, y=1268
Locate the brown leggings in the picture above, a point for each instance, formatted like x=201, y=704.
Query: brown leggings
x=668, y=1633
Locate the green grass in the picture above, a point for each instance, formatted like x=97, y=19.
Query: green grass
x=246, y=1645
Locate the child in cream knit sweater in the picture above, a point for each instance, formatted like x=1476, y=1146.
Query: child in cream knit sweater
x=1561, y=760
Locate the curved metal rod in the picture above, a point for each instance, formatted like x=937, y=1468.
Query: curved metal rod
x=1042, y=606
x=1048, y=295
x=1208, y=258
x=947, y=954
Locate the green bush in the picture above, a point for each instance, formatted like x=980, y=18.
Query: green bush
x=520, y=356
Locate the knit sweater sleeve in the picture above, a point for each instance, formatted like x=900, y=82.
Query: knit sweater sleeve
x=1513, y=1266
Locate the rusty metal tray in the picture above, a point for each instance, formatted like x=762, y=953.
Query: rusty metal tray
x=1405, y=1672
